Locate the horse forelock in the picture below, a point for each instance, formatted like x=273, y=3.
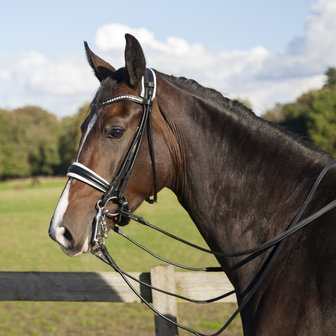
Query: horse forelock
x=108, y=85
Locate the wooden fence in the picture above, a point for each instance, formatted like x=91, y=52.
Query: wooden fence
x=109, y=287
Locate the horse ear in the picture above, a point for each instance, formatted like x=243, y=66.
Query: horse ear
x=101, y=68
x=135, y=60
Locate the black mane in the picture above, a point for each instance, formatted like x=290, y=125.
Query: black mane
x=211, y=96
x=238, y=110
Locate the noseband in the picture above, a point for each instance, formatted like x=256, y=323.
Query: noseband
x=115, y=191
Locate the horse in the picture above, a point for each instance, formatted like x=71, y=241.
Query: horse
x=241, y=179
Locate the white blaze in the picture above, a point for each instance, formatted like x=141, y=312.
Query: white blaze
x=57, y=219
x=88, y=130
x=56, y=228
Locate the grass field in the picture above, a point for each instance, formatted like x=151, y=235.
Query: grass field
x=25, y=212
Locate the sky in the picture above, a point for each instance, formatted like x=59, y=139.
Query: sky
x=265, y=51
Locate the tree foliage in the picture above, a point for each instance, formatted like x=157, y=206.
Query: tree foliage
x=39, y=138
x=312, y=115
x=34, y=142
x=70, y=136
x=13, y=154
x=322, y=119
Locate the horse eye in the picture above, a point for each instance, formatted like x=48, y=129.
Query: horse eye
x=115, y=133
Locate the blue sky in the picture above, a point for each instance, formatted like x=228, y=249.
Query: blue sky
x=241, y=48
x=53, y=27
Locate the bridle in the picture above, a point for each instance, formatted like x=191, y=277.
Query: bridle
x=114, y=192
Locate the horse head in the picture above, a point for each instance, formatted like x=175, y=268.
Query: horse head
x=108, y=136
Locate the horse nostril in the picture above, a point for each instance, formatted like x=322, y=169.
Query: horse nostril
x=67, y=234
x=63, y=236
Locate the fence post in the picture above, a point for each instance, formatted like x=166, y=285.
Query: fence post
x=162, y=276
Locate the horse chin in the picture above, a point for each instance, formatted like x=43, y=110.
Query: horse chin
x=85, y=248
x=73, y=253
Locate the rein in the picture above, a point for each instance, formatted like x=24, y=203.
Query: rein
x=114, y=192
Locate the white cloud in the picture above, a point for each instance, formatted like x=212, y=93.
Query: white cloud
x=312, y=53
x=264, y=94
x=111, y=36
x=320, y=32
x=5, y=75
x=60, y=87
x=40, y=75
x=256, y=74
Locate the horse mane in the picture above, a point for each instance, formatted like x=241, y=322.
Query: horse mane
x=209, y=95
x=237, y=109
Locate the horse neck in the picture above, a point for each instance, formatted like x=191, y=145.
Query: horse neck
x=241, y=180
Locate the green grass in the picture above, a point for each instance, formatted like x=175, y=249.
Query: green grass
x=25, y=212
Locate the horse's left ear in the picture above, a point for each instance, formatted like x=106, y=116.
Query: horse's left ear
x=135, y=60
x=101, y=68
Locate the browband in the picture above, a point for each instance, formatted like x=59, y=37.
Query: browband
x=148, y=86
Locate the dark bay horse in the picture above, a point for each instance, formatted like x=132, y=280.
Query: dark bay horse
x=240, y=178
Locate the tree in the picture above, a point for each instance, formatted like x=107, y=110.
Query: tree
x=13, y=156
x=331, y=78
x=35, y=142
x=312, y=115
x=40, y=133
x=293, y=116
x=322, y=119
x=70, y=137
x=3, y=124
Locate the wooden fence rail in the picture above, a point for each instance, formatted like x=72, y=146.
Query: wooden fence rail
x=109, y=287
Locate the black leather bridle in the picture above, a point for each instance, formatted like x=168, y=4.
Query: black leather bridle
x=114, y=192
